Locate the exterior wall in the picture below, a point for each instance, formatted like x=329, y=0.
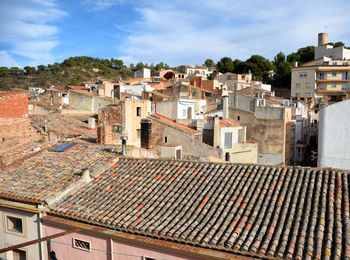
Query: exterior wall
x=14, y=119
x=122, y=250
x=267, y=129
x=143, y=73
x=333, y=140
x=87, y=102
x=166, y=108
x=301, y=85
x=179, y=109
x=244, y=153
x=136, y=89
x=80, y=101
x=14, y=104
x=98, y=103
x=242, y=102
x=338, y=53
x=133, y=122
x=175, y=137
x=30, y=228
x=107, y=89
x=235, y=81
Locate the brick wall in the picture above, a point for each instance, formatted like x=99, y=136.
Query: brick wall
x=14, y=119
x=14, y=104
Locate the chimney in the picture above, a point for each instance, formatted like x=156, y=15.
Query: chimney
x=86, y=175
x=124, y=138
x=225, y=106
x=322, y=38
x=296, y=64
x=146, y=131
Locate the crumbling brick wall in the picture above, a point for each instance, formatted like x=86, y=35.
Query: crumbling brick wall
x=14, y=119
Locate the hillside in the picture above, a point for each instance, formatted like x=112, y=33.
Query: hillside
x=72, y=71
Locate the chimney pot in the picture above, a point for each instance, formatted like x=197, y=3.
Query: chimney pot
x=86, y=175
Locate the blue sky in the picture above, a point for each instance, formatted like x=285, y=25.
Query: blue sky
x=35, y=32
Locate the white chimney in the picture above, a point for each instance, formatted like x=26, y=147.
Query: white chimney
x=86, y=175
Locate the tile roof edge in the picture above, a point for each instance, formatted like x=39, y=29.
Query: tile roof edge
x=53, y=215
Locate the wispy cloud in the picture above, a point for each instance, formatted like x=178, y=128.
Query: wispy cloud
x=29, y=31
x=181, y=31
x=97, y=5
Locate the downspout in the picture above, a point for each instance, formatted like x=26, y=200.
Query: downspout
x=40, y=234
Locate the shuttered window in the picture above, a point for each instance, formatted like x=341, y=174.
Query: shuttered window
x=228, y=140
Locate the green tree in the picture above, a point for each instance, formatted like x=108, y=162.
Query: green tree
x=260, y=67
x=16, y=71
x=282, y=76
x=209, y=63
x=41, y=68
x=225, y=64
x=29, y=70
x=140, y=66
x=4, y=71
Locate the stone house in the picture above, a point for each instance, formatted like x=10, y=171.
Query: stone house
x=124, y=118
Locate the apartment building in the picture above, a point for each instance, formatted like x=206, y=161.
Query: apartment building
x=323, y=78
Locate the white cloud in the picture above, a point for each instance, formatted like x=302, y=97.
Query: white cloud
x=6, y=60
x=190, y=31
x=29, y=29
x=98, y=5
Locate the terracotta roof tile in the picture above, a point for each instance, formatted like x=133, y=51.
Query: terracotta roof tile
x=277, y=212
x=43, y=174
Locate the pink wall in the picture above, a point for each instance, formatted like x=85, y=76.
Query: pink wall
x=104, y=244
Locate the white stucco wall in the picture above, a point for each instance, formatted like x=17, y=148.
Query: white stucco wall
x=333, y=136
x=30, y=232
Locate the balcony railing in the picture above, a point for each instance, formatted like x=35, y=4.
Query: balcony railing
x=332, y=78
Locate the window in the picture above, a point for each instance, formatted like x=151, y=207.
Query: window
x=302, y=74
x=165, y=139
x=334, y=85
x=334, y=74
x=297, y=94
x=345, y=63
x=344, y=86
x=14, y=224
x=228, y=140
x=80, y=244
x=19, y=254
x=238, y=118
x=297, y=85
x=321, y=75
x=307, y=85
x=307, y=94
x=138, y=111
x=147, y=258
x=334, y=63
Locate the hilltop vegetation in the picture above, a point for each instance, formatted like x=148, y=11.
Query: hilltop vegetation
x=75, y=70
x=71, y=71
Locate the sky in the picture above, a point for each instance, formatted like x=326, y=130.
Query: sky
x=41, y=32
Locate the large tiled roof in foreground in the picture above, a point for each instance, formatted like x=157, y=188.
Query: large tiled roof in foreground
x=47, y=173
x=269, y=211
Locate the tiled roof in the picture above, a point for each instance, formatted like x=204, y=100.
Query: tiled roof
x=63, y=125
x=228, y=123
x=39, y=177
x=274, y=212
x=171, y=122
